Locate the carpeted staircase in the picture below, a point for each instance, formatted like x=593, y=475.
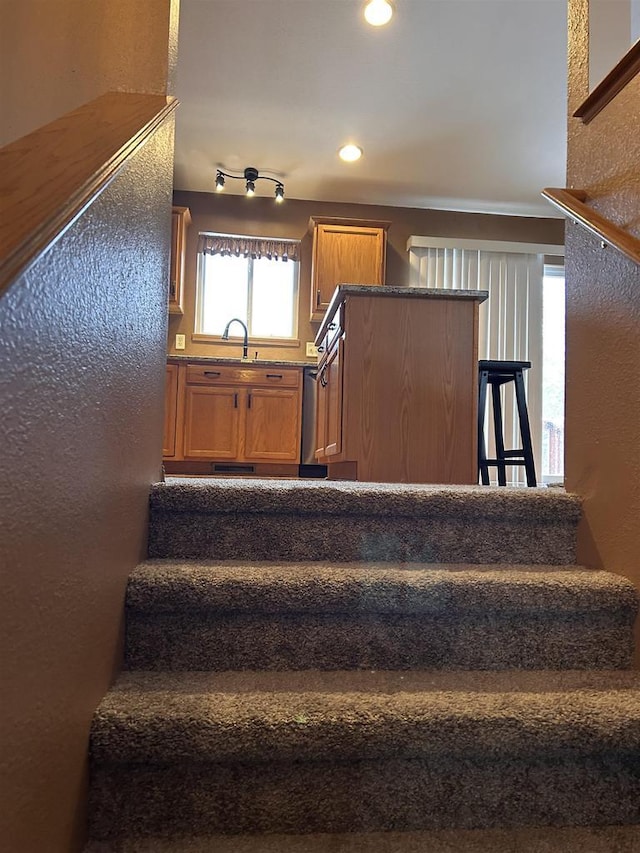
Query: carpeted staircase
x=338, y=666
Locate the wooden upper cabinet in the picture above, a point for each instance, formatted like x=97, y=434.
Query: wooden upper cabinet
x=180, y=221
x=345, y=251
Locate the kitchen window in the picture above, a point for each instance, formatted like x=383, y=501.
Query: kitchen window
x=253, y=279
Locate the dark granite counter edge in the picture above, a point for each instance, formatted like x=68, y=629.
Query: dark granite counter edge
x=262, y=362
x=388, y=290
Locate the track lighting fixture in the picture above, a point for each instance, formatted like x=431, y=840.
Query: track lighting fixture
x=250, y=176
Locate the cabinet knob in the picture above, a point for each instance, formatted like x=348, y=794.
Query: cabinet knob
x=212, y=373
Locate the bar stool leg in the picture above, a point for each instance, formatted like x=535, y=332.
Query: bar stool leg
x=482, y=448
x=497, y=426
x=525, y=430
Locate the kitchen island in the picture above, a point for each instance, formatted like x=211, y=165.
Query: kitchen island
x=398, y=385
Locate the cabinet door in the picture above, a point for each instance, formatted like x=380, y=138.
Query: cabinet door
x=333, y=439
x=211, y=425
x=180, y=219
x=272, y=429
x=344, y=255
x=321, y=411
x=170, y=410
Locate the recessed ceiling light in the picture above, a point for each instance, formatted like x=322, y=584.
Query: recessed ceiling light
x=378, y=12
x=350, y=153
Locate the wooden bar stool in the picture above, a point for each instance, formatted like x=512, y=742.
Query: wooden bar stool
x=496, y=374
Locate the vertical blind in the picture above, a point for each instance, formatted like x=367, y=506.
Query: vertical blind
x=510, y=323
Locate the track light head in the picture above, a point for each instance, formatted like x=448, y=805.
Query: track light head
x=219, y=182
x=279, y=193
x=251, y=176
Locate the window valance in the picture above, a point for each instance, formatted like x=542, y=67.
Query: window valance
x=249, y=247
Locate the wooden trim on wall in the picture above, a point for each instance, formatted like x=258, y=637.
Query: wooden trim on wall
x=50, y=176
x=614, y=82
x=346, y=222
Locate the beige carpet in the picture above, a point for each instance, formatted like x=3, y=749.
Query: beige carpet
x=211, y=615
x=535, y=840
x=303, y=520
x=359, y=667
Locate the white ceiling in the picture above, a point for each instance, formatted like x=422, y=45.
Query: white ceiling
x=458, y=104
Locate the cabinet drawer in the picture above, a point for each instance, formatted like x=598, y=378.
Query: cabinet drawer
x=274, y=377
x=231, y=374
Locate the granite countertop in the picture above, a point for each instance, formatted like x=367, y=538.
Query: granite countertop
x=388, y=290
x=220, y=359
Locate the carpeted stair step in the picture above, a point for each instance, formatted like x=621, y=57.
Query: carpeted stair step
x=309, y=752
x=220, y=616
x=602, y=839
x=310, y=520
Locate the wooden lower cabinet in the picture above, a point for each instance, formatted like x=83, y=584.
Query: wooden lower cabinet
x=272, y=428
x=321, y=412
x=242, y=414
x=331, y=391
x=211, y=423
x=170, y=411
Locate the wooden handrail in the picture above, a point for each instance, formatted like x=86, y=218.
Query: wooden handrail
x=572, y=204
x=625, y=70
x=50, y=176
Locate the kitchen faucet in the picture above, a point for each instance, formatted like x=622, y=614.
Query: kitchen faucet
x=245, y=344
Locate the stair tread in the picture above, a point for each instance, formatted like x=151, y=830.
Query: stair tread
x=305, y=520
x=355, y=498
x=259, y=587
x=257, y=716
x=602, y=839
